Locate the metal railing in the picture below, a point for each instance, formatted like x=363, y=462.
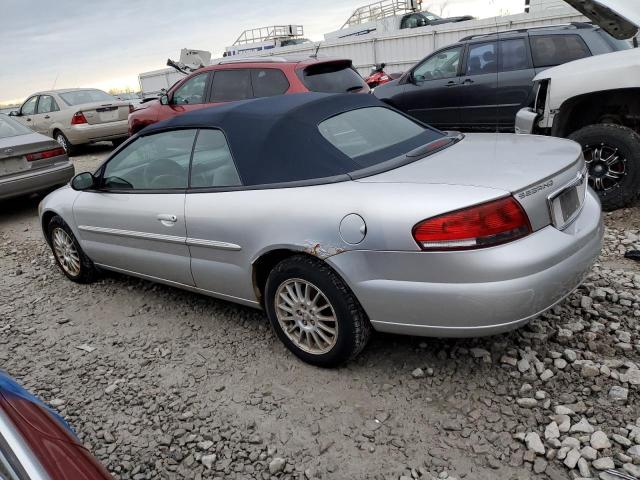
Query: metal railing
x=382, y=9
x=263, y=34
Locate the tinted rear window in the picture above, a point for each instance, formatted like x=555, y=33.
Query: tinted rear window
x=268, y=82
x=231, y=85
x=552, y=50
x=374, y=135
x=11, y=128
x=332, y=78
x=79, y=97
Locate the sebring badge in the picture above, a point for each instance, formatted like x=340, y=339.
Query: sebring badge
x=536, y=189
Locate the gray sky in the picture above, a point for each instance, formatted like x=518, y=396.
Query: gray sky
x=107, y=43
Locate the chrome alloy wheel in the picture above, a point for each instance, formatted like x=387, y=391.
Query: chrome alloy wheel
x=306, y=316
x=66, y=252
x=61, y=141
x=607, y=166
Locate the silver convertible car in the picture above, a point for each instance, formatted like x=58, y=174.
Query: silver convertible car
x=337, y=215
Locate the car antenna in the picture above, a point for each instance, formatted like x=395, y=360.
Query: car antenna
x=55, y=81
x=315, y=54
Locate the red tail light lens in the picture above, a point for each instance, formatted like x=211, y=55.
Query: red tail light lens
x=78, y=118
x=481, y=226
x=55, y=152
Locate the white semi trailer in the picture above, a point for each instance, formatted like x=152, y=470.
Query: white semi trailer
x=399, y=48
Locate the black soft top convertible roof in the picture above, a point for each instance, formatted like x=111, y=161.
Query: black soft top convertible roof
x=276, y=139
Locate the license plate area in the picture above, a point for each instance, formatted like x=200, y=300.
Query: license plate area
x=566, y=204
x=13, y=165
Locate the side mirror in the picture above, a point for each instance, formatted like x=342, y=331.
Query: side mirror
x=415, y=79
x=164, y=99
x=83, y=181
x=14, y=113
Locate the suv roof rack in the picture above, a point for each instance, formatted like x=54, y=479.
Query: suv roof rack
x=576, y=25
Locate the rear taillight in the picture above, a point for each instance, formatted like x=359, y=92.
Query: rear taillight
x=78, y=118
x=55, y=152
x=480, y=226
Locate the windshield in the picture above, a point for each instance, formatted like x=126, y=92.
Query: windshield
x=11, y=128
x=431, y=16
x=78, y=97
x=333, y=78
x=375, y=135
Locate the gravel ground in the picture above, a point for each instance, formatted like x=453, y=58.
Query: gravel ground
x=162, y=383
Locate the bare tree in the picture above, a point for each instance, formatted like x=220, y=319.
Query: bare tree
x=442, y=7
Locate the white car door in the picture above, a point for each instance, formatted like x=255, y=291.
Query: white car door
x=134, y=221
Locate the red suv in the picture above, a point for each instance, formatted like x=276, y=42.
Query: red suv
x=241, y=79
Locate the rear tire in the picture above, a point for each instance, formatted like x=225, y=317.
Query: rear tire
x=65, y=143
x=324, y=295
x=68, y=254
x=613, y=156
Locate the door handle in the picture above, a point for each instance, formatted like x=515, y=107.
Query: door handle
x=468, y=81
x=452, y=84
x=167, y=218
x=47, y=117
x=28, y=119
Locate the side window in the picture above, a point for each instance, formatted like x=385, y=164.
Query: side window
x=441, y=65
x=29, y=107
x=191, y=92
x=159, y=161
x=513, y=55
x=482, y=59
x=552, y=50
x=230, y=85
x=413, y=21
x=47, y=104
x=268, y=82
x=213, y=164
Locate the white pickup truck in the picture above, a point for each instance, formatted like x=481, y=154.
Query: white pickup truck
x=596, y=102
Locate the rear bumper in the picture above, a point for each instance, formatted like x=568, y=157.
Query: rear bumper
x=85, y=133
x=526, y=120
x=473, y=293
x=35, y=181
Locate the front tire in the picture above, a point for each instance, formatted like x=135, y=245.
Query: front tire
x=314, y=313
x=612, y=153
x=68, y=254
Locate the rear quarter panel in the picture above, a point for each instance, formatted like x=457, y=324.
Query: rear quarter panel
x=307, y=219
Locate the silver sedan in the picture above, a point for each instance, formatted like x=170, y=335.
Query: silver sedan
x=29, y=162
x=337, y=215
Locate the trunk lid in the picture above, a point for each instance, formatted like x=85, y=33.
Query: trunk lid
x=530, y=168
x=13, y=152
x=619, y=18
x=104, y=112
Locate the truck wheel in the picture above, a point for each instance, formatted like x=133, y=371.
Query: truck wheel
x=612, y=153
